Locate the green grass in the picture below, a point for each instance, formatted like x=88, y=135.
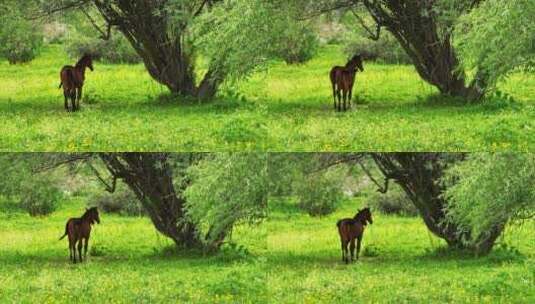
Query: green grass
x=283, y=108
x=129, y=263
x=292, y=258
x=401, y=263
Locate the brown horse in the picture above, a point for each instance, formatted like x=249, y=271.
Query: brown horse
x=79, y=230
x=343, y=79
x=351, y=229
x=72, y=81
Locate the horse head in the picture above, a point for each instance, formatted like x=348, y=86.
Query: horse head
x=87, y=61
x=365, y=215
x=93, y=215
x=356, y=62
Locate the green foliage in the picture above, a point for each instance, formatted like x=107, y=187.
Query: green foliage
x=298, y=43
x=395, y=201
x=39, y=196
x=24, y=189
x=496, y=38
x=226, y=190
x=490, y=189
x=244, y=39
x=115, y=50
x=122, y=202
x=20, y=39
x=385, y=50
x=320, y=194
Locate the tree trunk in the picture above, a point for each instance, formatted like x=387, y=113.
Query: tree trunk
x=414, y=24
x=168, y=57
x=150, y=177
x=419, y=175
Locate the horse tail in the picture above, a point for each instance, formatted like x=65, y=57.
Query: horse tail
x=60, y=85
x=66, y=231
x=339, y=223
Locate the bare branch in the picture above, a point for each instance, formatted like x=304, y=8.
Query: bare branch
x=372, y=35
x=109, y=188
x=104, y=35
x=72, y=158
x=381, y=188
x=68, y=6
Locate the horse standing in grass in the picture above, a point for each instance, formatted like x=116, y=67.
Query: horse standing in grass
x=343, y=79
x=72, y=81
x=351, y=229
x=79, y=230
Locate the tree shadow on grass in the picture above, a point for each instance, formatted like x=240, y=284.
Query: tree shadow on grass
x=332, y=258
x=431, y=102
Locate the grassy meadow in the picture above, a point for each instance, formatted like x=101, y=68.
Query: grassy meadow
x=401, y=262
x=281, y=108
x=128, y=262
x=293, y=258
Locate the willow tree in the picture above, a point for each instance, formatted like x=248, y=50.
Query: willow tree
x=193, y=198
x=487, y=192
x=169, y=35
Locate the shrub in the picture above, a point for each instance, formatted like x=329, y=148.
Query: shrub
x=20, y=41
x=319, y=195
x=395, y=201
x=54, y=32
x=387, y=49
x=122, y=202
x=115, y=50
x=39, y=196
x=298, y=44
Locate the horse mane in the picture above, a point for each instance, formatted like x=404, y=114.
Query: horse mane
x=83, y=61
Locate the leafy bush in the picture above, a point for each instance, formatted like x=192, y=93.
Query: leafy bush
x=122, y=202
x=39, y=196
x=54, y=32
x=20, y=41
x=115, y=50
x=395, y=201
x=386, y=49
x=320, y=194
x=298, y=43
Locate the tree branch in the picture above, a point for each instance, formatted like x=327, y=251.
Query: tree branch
x=110, y=189
x=104, y=35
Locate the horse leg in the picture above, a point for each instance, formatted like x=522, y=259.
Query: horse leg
x=334, y=95
x=79, y=97
x=350, y=95
x=339, y=104
x=66, y=95
x=70, y=250
x=346, y=253
x=80, y=244
x=358, y=246
x=352, y=249
x=72, y=247
x=85, y=247
x=345, y=98
x=73, y=100
x=342, y=247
